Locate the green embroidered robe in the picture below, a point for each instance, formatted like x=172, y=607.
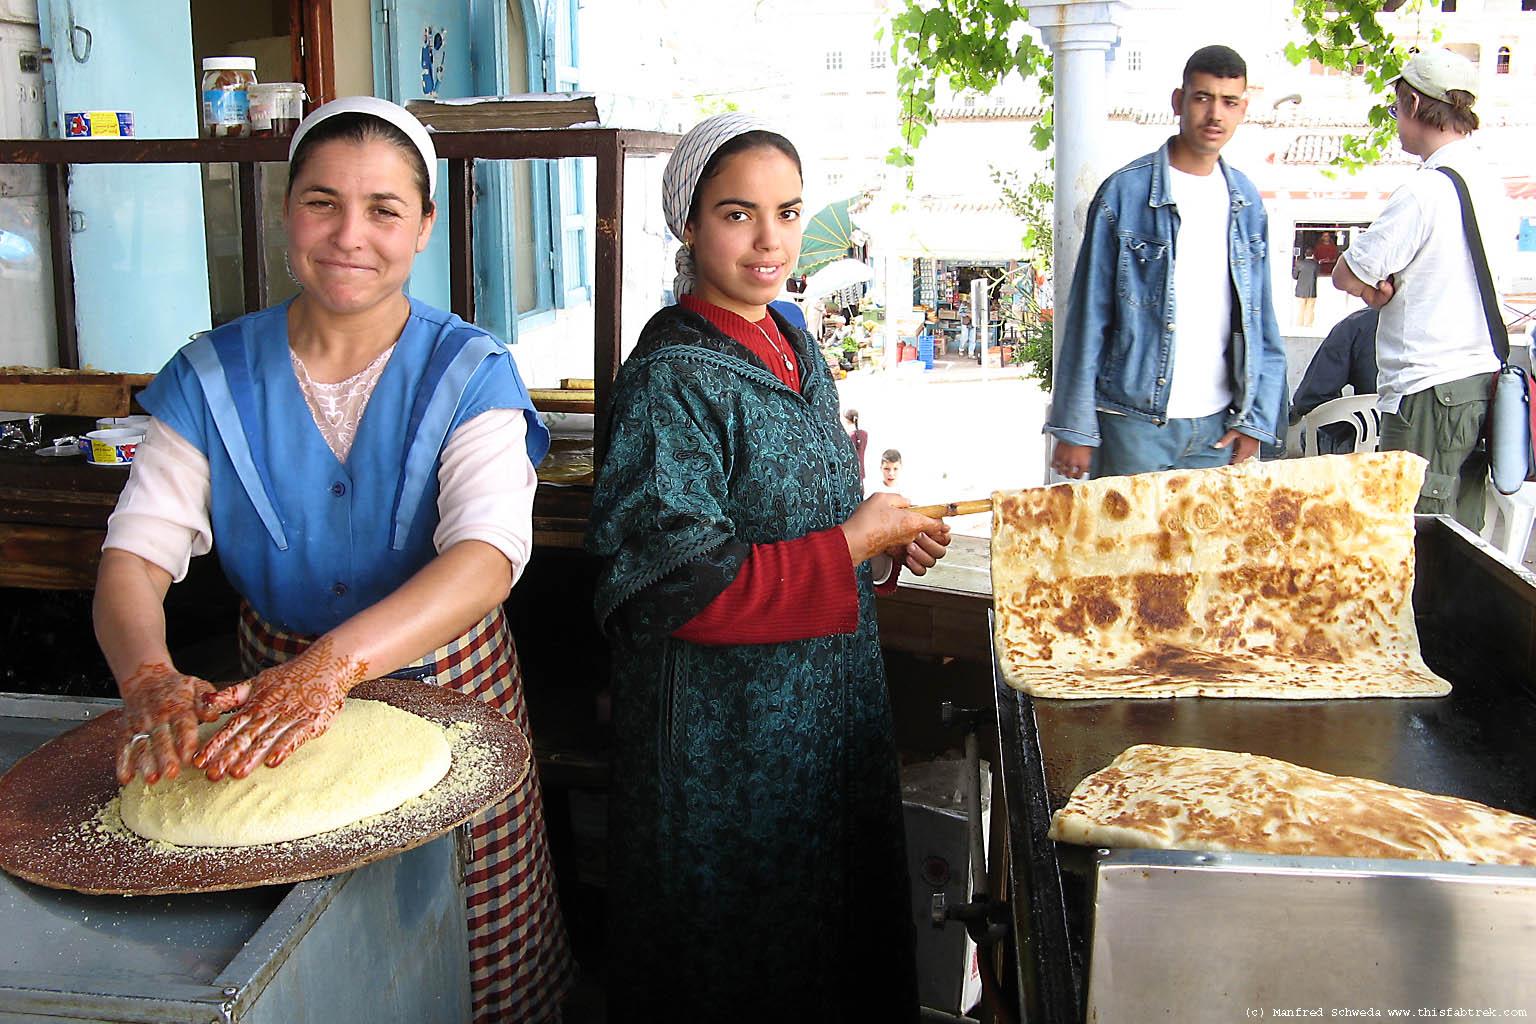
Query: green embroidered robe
x=756, y=860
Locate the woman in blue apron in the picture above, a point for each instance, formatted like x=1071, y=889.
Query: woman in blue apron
x=364, y=465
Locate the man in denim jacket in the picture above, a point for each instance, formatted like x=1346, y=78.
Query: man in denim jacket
x=1172, y=357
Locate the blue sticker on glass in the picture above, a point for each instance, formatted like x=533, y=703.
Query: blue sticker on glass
x=434, y=49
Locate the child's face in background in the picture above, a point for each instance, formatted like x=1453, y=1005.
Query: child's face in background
x=888, y=471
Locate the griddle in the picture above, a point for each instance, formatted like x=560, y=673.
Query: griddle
x=1476, y=615
x=50, y=801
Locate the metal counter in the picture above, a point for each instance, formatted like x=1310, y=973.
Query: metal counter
x=387, y=942
x=1210, y=936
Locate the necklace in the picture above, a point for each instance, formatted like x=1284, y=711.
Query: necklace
x=788, y=363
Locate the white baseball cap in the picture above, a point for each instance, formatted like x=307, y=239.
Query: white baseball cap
x=1436, y=72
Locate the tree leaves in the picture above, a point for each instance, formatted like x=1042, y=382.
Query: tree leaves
x=972, y=45
x=1346, y=35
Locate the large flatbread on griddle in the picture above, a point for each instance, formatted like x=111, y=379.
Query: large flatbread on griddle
x=1289, y=579
x=1190, y=798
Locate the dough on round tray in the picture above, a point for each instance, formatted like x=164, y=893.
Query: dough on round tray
x=372, y=759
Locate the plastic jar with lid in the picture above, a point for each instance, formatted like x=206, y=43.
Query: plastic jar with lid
x=276, y=108
x=226, y=101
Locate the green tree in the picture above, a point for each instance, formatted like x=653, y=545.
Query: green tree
x=971, y=44
x=1032, y=309
x=1346, y=35
x=975, y=44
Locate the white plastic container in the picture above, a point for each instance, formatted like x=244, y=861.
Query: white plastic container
x=276, y=107
x=139, y=423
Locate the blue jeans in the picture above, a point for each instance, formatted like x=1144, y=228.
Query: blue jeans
x=1130, y=445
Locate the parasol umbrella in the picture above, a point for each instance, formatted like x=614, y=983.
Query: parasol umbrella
x=835, y=276
x=827, y=237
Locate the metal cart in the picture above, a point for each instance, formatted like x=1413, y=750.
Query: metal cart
x=1140, y=935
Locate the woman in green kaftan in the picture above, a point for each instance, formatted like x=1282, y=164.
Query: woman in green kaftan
x=757, y=865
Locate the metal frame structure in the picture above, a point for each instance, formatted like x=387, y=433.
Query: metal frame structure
x=610, y=147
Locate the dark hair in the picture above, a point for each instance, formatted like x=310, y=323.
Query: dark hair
x=1451, y=114
x=741, y=144
x=1221, y=61
x=890, y=455
x=358, y=127
x=852, y=416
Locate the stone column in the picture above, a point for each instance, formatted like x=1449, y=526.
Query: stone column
x=1080, y=34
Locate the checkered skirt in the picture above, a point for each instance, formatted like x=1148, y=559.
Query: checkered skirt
x=519, y=961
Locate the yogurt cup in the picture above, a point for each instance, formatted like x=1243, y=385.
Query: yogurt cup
x=114, y=447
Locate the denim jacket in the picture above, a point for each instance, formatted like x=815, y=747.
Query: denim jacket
x=1117, y=351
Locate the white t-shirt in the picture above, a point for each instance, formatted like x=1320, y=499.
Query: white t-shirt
x=1202, y=296
x=1434, y=329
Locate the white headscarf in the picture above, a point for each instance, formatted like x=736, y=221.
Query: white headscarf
x=681, y=179
x=384, y=111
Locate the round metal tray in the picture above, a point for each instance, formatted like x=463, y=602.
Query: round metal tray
x=57, y=827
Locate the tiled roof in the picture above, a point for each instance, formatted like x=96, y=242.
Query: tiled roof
x=1324, y=148
x=960, y=204
x=1350, y=120
x=987, y=112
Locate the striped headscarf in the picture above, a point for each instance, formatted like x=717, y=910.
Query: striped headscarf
x=681, y=178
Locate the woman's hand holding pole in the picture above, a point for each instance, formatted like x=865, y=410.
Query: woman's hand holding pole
x=883, y=524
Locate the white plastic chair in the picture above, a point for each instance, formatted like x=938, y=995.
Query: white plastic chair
x=1359, y=411
x=1509, y=519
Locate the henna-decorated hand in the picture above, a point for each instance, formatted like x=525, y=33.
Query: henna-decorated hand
x=279, y=710
x=924, y=551
x=882, y=523
x=161, y=711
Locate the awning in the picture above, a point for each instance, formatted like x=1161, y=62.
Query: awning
x=944, y=228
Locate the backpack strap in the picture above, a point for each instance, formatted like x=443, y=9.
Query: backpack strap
x=1496, y=329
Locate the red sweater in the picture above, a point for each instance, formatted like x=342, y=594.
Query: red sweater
x=763, y=338
x=788, y=590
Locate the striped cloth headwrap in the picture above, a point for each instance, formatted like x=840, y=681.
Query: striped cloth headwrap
x=681, y=178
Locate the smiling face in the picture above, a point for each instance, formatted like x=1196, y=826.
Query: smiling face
x=1209, y=109
x=355, y=225
x=745, y=234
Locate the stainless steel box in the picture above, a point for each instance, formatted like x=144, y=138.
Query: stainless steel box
x=1223, y=937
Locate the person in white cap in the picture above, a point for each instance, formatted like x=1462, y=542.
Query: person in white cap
x=756, y=860
x=364, y=465
x=1435, y=359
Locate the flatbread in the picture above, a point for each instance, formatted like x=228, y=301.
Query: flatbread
x=1287, y=579
x=1190, y=798
x=372, y=759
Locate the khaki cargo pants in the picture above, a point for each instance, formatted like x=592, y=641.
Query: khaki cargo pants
x=1444, y=424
